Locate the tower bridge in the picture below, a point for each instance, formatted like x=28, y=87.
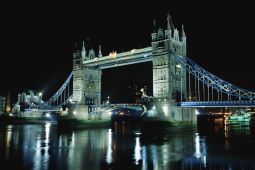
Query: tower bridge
x=179, y=84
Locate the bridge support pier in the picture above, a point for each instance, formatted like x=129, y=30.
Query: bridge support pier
x=177, y=116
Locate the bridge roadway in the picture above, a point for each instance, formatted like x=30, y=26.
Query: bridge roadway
x=217, y=104
x=134, y=56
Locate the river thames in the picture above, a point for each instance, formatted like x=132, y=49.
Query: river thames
x=46, y=147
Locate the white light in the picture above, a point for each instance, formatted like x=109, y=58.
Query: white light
x=109, y=148
x=47, y=115
x=197, y=146
x=197, y=112
x=74, y=112
x=137, y=150
x=40, y=94
x=109, y=113
x=165, y=109
x=178, y=66
x=10, y=114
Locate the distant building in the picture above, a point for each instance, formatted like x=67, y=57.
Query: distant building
x=2, y=104
x=28, y=99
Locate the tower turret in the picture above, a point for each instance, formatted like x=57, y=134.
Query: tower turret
x=83, y=52
x=176, y=34
x=183, y=39
x=99, y=51
x=168, y=31
x=91, y=54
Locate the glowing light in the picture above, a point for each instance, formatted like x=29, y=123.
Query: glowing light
x=165, y=109
x=121, y=113
x=178, y=66
x=137, y=150
x=40, y=94
x=109, y=148
x=47, y=115
x=8, y=109
x=10, y=114
x=197, y=146
x=113, y=54
x=109, y=113
x=197, y=112
x=132, y=51
x=74, y=112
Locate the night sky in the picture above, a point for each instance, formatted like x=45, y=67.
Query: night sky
x=37, y=39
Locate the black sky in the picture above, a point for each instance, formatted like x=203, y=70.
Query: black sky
x=37, y=38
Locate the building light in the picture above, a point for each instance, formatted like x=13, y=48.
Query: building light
x=113, y=54
x=165, y=109
x=132, y=51
x=178, y=66
x=197, y=112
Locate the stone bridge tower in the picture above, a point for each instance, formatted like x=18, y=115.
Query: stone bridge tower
x=169, y=76
x=86, y=80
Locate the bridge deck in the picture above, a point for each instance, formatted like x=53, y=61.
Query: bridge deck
x=131, y=57
x=217, y=104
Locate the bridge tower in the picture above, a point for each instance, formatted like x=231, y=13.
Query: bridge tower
x=169, y=77
x=86, y=80
x=78, y=89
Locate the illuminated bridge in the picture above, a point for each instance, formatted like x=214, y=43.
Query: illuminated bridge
x=179, y=84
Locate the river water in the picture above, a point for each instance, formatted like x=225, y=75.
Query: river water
x=219, y=146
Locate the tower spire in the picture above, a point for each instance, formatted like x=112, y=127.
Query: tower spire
x=183, y=32
x=83, y=51
x=83, y=46
x=168, y=21
x=170, y=24
x=99, y=52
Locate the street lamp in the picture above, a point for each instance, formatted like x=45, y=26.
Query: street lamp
x=108, y=99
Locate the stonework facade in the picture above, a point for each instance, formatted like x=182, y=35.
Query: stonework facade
x=86, y=80
x=169, y=77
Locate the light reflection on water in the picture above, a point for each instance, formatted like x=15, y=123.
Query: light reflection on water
x=45, y=147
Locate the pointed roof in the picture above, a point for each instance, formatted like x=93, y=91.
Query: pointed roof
x=99, y=52
x=183, y=32
x=83, y=46
x=170, y=24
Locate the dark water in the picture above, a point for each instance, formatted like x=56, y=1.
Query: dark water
x=45, y=147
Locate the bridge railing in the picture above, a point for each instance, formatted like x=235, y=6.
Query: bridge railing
x=206, y=78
